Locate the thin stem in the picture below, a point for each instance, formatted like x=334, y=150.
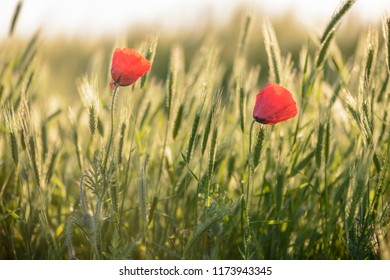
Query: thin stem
x=326, y=222
x=112, y=126
x=197, y=192
x=127, y=183
x=82, y=195
x=250, y=161
x=249, y=179
x=97, y=239
x=162, y=155
x=157, y=195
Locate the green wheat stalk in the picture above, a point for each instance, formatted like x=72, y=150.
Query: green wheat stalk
x=273, y=52
x=336, y=18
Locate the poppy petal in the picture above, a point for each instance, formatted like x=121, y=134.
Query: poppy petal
x=128, y=66
x=274, y=104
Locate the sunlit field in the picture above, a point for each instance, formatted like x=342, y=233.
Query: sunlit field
x=174, y=165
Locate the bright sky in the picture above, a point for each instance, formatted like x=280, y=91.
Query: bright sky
x=97, y=17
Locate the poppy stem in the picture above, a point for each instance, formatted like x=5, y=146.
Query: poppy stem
x=246, y=210
x=250, y=160
x=111, y=127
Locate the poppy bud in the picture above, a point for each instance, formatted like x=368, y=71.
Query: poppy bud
x=127, y=67
x=274, y=104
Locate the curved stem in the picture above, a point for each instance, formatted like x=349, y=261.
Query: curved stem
x=82, y=194
x=111, y=128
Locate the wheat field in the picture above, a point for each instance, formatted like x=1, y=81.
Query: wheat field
x=189, y=174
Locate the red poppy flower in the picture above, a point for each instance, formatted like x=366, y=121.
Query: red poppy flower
x=128, y=66
x=274, y=104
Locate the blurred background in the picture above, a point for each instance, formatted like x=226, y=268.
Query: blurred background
x=112, y=18
x=78, y=36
